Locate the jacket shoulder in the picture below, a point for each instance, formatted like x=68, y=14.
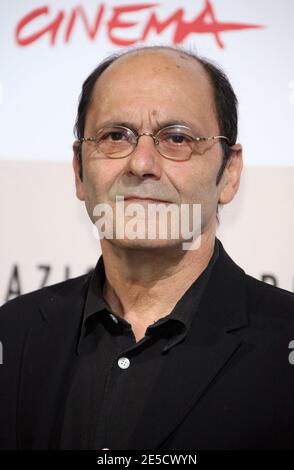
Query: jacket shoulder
x=262, y=298
x=24, y=307
x=270, y=301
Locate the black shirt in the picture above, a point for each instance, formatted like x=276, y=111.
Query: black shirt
x=114, y=374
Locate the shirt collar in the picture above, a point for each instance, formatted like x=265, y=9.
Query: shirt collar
x=183, y=312
x=95, y=301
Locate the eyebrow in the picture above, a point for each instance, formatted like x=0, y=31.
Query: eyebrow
x=160, y=125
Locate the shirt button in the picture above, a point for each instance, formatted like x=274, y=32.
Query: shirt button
x=123, y=362
x=113, y=318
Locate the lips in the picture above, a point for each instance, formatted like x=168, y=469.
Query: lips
x=147, y=198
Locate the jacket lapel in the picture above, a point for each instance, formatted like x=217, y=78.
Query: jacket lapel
x=191, y=366
x=45, y=372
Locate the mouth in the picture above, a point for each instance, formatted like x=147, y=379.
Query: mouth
x=145, y=199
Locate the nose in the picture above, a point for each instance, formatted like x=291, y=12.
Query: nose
x=145, y=161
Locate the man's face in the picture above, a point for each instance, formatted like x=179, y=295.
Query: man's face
x=145, y=90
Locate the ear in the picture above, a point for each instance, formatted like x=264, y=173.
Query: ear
x=75, y=163
x=231, y=177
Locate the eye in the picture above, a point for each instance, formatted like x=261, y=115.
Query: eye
x=175, y=138
x=178, y=138
x=114, y=134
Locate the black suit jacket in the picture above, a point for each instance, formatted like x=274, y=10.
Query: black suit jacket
x=229, y=385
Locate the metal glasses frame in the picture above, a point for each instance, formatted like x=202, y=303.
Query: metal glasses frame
x=155, y=139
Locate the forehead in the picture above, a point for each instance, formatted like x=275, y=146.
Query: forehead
x=153, y=84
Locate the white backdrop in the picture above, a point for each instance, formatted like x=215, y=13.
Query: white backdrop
x=47, y=50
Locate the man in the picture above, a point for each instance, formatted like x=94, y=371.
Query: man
x=160, y=347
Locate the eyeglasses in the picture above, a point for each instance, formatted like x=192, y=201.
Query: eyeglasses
x=174, y=142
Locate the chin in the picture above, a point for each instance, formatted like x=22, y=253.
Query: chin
x=145, y=244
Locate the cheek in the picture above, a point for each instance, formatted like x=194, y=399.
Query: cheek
x=195, y=183
x=99, y=177
x=197, y=186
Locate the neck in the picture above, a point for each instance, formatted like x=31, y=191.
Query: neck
x=144, y=285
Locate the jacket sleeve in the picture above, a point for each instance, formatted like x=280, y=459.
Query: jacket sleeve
x=14, y=328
